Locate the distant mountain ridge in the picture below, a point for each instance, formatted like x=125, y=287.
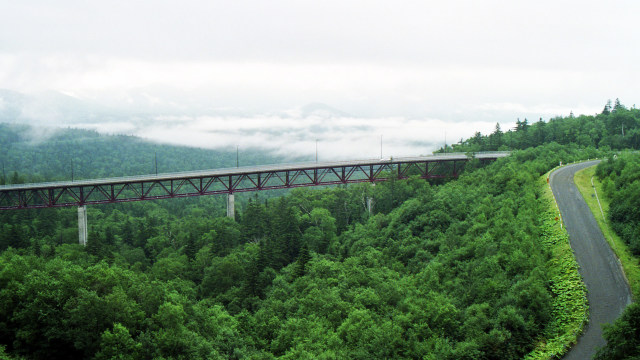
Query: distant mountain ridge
x=56, y=108
x=50, y=107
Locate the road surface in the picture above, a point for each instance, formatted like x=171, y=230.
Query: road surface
x=607, y=290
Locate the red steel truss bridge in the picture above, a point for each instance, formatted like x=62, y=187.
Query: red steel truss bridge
x=231, y=180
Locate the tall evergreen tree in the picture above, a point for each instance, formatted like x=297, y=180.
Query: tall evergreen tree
x=303, y=258
x=607, y=108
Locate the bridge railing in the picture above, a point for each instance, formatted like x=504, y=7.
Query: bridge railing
x=499, y=153
x=233, y=170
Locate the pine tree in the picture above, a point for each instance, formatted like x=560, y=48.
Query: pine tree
x=618, y=106
x=253, y=272
x=37, y=249
x=607, y=108
x=254, y=220
x=190, y=247
x=95, y=244
x=127, y=232
x=109, y=238
x=303, y=259
x=496, y=137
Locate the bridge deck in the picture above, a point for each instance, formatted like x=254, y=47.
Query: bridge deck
x=229, y=180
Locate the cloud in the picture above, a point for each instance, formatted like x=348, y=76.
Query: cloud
x=109, y=128
x=543, y=110
x=295, y=138
x=453, y=93
x=465, y=62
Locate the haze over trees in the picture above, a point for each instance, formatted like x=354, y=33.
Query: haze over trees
x=437, y=270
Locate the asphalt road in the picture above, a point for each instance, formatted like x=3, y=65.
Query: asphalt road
x=607, y=290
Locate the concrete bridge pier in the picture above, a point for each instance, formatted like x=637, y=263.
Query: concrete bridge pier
x=82, y=225
x=231, y=210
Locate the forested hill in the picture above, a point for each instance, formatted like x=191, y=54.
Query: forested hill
x=457, y=270
x=620, y=178
x=44, y=154
x=616, y=127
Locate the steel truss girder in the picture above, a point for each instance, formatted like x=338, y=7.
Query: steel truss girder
x=87, y=193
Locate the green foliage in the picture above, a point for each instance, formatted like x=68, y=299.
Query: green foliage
x=569, y=313
x=621, y=176
x=463, y=269
x=118, y=344
x=623, y=337
x=88, y=154
x=617, y=128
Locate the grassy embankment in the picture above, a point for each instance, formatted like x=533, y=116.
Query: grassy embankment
x=570, y=308
x=630, y=263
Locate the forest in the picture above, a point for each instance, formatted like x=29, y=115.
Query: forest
x=459, y=269
x=620, y=177
x=615, y=128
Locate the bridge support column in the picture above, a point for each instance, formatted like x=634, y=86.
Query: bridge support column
x=82, y=225
x=370, y=203
x=231, y=210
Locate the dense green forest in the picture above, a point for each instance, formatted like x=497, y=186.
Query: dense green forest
x=621, y=183
x=620, y=176
x=48, y=154
x=453, y=270
x=616, y=127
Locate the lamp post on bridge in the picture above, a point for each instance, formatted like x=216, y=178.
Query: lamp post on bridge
x=316, y=150
x=237, y=156
x=445, y=141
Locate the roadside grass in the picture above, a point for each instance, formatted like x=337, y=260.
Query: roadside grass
x=630, y=264
x=570, y=309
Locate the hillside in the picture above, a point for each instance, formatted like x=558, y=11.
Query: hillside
x=616, y=127
x=458, y=270
x=44, y=154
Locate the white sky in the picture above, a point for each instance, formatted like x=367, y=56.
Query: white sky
x=451, y=61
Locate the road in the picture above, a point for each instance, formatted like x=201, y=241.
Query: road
x=607, y=290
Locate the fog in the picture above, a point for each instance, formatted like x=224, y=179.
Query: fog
x=225, y=74
x=336, y=138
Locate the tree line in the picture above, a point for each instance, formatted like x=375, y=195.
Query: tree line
x=446, y=271
x=436, y=270
x=616, y=127
x=620, y=176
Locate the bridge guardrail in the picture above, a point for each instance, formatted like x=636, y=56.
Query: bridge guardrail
x=254, y=168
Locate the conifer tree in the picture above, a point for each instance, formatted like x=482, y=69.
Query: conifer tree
x=303, y=259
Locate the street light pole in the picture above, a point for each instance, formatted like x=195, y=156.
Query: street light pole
x=380, y=146
x=155, y=158
x=237, y=156
x=316, y=150
x=445, y=141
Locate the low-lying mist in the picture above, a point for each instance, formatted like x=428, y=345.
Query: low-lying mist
x=336, y=138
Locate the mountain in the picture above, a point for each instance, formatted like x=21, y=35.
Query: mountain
x=57, y=108
x=49, y=108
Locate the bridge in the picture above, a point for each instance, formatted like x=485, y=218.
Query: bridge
x=228, y=181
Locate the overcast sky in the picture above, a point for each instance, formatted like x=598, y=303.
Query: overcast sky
x=452, y=61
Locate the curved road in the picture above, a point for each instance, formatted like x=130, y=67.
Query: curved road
x=607, y=290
